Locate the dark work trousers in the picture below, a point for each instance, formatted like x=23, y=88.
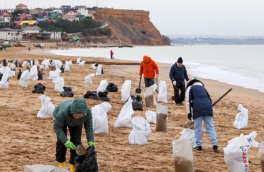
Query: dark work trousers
x=111, y=56
x=176, y=93
x=75, y=135
x=148, y=82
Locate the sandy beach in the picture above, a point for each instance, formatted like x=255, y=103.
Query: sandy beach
x=27, y=140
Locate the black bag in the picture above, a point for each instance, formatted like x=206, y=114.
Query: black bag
x=103, y=94
x=62, y=69
x=39, y=89
x=4, y=62
x=40, y=75
x=1, y=76
x=88, y=162
x=94, y=95
x=102, y=71
x=67, y=92
x=112, y=87
x=95, y=64
x=137, y=103
x=19, y=74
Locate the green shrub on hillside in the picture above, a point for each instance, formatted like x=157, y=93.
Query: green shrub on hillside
x=97, y=32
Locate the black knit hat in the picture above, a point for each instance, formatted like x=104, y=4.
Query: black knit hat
x=179, y=60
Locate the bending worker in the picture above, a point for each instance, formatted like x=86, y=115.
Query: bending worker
x=199, y=107
x=147, y=68
x=72, y=114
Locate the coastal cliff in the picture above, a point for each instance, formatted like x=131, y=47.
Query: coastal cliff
x=131, y=26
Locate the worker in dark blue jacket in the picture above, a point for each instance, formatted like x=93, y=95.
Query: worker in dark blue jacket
x=178, y=74
x=199, y=107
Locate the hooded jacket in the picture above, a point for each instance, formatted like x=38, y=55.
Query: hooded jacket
x=178, y=74
x=198, y=101
x=148, y=69
x=63, y=115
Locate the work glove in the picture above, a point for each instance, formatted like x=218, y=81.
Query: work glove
x=90, y=143
x=157, y=75
x=70, y=145
x=174, y=83
x=189, y=116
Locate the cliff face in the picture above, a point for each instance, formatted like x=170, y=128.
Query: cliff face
x=131, y=26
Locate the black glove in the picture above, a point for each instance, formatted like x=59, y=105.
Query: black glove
x=189, y=116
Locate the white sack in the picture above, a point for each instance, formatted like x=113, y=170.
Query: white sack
x=251, y=140
x=23, y=81
x=99, y=70
x=78, y=60
x=46, y=63
x=124, y=117
x=93, y=66
x=82, y=63
x=67, y=66
x=151, y=116
x=102, y=86
x=43, y=168
x=100, y=121
x=33, y=73
x=141, y=131
x=150, y=91
x=162, y=92
x=241, y=120
x=188, y=135
x=51, y=73
x=47, y=108
x=59, y=84
x=88, y=79
x=125, y=91
x=56, y=75
x=4, y=82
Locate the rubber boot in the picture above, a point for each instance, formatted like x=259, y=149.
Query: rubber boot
x=61, y=164
x=72, y=168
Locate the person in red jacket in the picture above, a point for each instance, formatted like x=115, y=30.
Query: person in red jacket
x=147, y=68
x=112, y=53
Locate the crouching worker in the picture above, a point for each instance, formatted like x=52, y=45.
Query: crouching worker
x=72, y=114
x=199, y=107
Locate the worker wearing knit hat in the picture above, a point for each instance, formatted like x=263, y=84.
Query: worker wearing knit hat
x=148, y=68
x=178, y=74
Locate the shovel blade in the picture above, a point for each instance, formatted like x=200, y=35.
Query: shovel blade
x=138, y=90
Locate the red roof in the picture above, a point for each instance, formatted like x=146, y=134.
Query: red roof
x=6, y=15
x=21, y=5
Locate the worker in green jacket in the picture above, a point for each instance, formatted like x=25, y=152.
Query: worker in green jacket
x=72, y=114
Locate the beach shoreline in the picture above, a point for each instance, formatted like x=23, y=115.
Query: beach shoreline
x=20, y=125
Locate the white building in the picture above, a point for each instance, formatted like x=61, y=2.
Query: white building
x=55, y=35
x=21, y=7
x=5, y=18
x=84, y=11
x=31, y=29
x=10, y=34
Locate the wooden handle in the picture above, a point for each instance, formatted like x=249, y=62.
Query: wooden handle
x=222, y=97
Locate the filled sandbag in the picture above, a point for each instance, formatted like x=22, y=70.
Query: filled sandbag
x=59, y=84
x=93, y=67
x=137, y=103
x=88, y=79
x=241, y=120
x=55, y=75
x=4, y=82
x=78, y=60
x=251, y=140
x=261, y=155
x=99, y=70
x=149, y=96
x=94, y=95
x=82, y=63
x=100, y=120
x=67, y=92
x=67, y=66
x=183, y=156
x=151, y=116
x=125, y=91
x=47, y=108
x=102, y=86
x=34, y=73
x=161, y=118
x=188, y=135
x=140, y=132
x=87, y=162
x=51, y=73
x=46, y=63
x=162, y=92
x=124, y=117
x=112, y=87
x=236, y=155
x=23, y=81
x=43, y=168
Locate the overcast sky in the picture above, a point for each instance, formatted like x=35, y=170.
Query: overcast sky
x=181, y=17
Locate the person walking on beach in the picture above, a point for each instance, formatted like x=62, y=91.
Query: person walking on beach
x=72, y=114
x=178, y=73
x=111, y=54
x=148, y=67
x=199, y=107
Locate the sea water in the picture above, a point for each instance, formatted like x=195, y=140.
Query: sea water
x=241, y=65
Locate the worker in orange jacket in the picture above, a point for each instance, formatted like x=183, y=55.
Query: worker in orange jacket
x=147, y=68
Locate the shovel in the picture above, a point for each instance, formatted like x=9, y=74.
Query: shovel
x=138, y=90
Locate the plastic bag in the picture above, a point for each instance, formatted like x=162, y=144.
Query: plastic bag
x=188, y=135
x=251, y=139
x=23, y=81
x=59, y=84
x=88, y=162
x=78, y=60
x=183, y=156
x=4, y=82
x=137, y=103
x=99, y=70
x=241, y=120
x=100, y=121
x=56, y=75
x=141, y=131
x=34, y=73
x=102, y=86
x=112, y=87
x=236, y=155
x=149, y=96
x=161, y=118
x=67, y=66
x=162, y=92
x=43, y=168
x=124, y=117
x=261, y=155
x=151, y=116
x=47, y=108
x=88, y=79
x=125, y=91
